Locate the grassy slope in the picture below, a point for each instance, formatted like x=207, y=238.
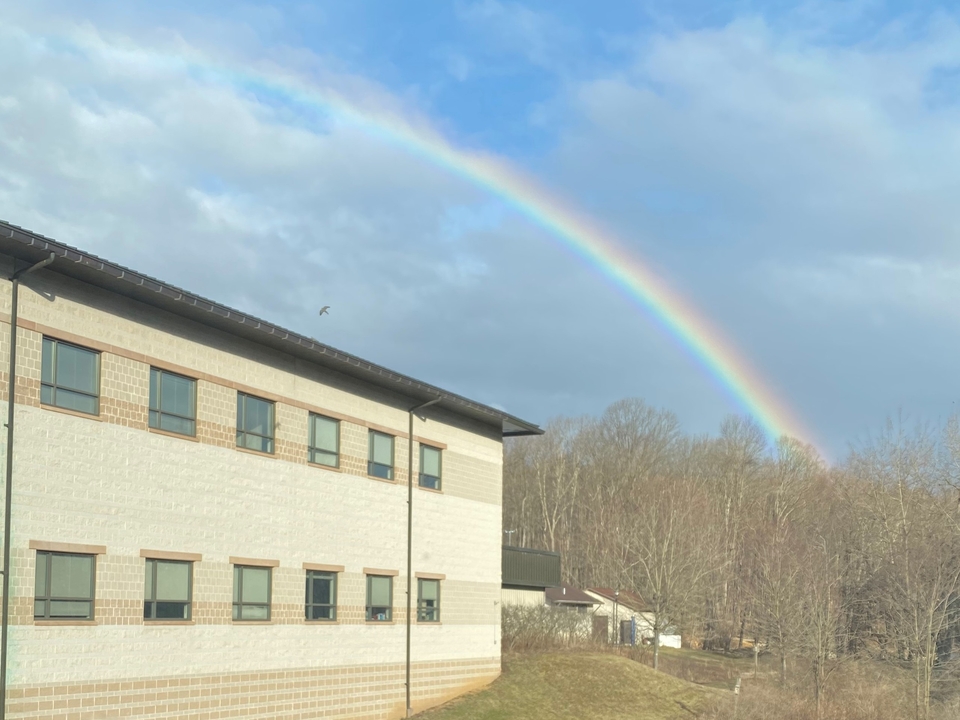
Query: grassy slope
x=569, y=686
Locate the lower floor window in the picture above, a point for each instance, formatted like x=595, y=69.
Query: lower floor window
x=167, y=590
x=321, y=595
x=251, y=593
x=64, y=586
x=428, y=600
x=379, y=598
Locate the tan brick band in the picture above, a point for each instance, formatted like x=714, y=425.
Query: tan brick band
x=254, y=562
x=120, y=352
x=169, y=555
x=360, y=692
x=68, y=547
x=380, y=571
x=323, y=568
x=124, y=399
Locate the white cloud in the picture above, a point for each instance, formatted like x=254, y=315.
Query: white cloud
x=252, y=202
x=784, y=142
x=104, y=148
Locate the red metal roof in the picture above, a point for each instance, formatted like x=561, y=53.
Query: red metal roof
x=569, y=595
x=626, y=598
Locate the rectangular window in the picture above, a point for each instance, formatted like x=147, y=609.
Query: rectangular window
x=429, y=467
x=321, y=595
x=70, y=377
x=379, y=598
x=64, y=586
x=167, y=590
x=254, y=423
x=173, y=402
x=251, y=593
x=428, y=600
x=324, y=440
x=380, y=462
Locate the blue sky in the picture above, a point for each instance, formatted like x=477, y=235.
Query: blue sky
x=790, y=167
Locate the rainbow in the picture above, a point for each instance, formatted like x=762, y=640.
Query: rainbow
x=584, y=238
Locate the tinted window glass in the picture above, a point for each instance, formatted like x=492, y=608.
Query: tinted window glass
x=70, y=377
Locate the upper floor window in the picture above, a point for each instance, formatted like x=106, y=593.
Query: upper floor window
x=379, y=598
x=321, y=595
x=429, y=467
x=167, y=590
x=64, y=586
x=380, y=460
x=254, y=423
x=428, y=600
x=70, y=377
x=251, y=593
x=324, y=440
x=173, y=402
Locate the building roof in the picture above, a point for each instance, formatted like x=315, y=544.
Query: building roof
x=625, y=597
x=71, y=262
x=527, y=568
x=569, y=595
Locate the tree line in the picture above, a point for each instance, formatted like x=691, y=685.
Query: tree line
x=740, y=542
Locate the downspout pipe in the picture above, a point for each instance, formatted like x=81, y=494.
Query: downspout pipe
x=413, y=411
x=8, y=495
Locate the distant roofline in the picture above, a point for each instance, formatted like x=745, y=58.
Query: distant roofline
x=627, y=598
x=29, y=246
x=531, y=550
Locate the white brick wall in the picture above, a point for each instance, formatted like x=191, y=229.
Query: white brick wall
x=80, y=480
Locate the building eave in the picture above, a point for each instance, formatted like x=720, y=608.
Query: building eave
x=30, y=247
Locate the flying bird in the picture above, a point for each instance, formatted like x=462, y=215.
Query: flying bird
x=324, y=309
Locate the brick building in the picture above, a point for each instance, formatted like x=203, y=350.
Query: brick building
x=209, y=512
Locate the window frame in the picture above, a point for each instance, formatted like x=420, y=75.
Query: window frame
x=153, y=602
x=272, y=437
x=313, y=575
x=422, y=475
x=368, y=607
x=421, y=610
x=160, y=412
x=54, y=386
x=373, y=465
x=312, y=447
x=239, y=604
x=48, y=581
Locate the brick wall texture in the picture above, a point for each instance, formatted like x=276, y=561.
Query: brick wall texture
x=112, y=482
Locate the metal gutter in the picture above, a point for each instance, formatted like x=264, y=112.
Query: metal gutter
x=30, y=246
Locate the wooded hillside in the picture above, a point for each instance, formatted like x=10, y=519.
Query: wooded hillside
x=737, y=542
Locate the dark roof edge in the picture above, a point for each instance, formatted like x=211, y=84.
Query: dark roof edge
x=532, y=551
x=326, y=356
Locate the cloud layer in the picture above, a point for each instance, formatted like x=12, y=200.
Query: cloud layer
x=798, y=184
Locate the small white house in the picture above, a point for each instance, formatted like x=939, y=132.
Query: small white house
x=632, y=615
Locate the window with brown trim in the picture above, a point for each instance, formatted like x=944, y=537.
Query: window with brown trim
x=173, y=402
x=430, y=458
x=428, y=600
x=380, y=459
x=251, y=592
x=65, y=584
x=324, y=447
x=321, y=601
x=70, y=377
x=379, y=598
x=168, y=590
x=254, y=423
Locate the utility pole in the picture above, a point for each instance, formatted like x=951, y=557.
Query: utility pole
x=411, y=413
x=8, y=495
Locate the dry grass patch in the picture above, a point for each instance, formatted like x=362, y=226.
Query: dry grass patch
x=573, y=686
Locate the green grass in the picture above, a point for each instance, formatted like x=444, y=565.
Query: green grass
x=574, y=686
